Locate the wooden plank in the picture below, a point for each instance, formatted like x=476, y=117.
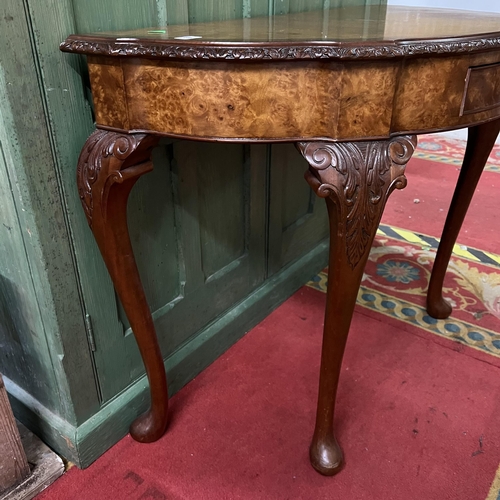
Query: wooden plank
x=19, y=315
x=62, y=354
x=46, y=467
x=13, y=463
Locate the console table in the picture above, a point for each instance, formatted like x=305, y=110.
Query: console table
x=350, y=89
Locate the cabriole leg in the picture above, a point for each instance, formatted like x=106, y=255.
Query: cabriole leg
x=479, y=145
x=108, y=167
x=356, y=180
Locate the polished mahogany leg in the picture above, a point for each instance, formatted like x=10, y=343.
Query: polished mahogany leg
x=356, y=180
x=108, y=167
x=479, y=145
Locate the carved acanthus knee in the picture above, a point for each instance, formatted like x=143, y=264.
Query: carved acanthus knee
x=108, y=158
x=358, y=177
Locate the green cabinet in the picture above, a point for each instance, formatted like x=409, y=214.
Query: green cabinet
x=222, y=232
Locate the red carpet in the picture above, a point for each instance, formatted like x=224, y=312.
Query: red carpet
x=416, y=420
x=418, y=410
x=432, y=184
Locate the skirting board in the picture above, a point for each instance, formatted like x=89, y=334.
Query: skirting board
x=84, y=444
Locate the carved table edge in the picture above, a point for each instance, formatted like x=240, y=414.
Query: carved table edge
x=258, y=51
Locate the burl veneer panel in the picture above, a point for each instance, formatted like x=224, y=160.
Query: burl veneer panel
x=108, y=91
x=367, y=95
x=431, y=93
x=482, y=89
x=247, y=100
x=233, y=99
x=296, y=100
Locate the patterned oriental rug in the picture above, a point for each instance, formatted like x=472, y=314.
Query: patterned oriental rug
x=418, y=412
x=398, y=271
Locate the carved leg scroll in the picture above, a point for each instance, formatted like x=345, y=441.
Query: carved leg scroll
x=108, y=168
x=356, y=180
x=479, y=145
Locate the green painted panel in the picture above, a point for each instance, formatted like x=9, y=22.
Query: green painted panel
x=209, y=281
x=222, y=207
x=198, y=229
x=297, y=201
x=68, y=119
x=176, y=12
x=255, y=8
x=105, y=15
x=153, y=232
x=24, y=357
x=298, y=220
x=306, y=5
x=214, y=10
x=30, y=163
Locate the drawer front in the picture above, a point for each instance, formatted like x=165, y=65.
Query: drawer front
x=482, y=89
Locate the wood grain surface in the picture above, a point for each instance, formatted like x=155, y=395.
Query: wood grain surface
x=13, y=463
x=293, y=100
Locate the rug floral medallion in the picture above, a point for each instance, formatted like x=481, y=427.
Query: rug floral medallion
x=395, y=284
x=398, y=270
